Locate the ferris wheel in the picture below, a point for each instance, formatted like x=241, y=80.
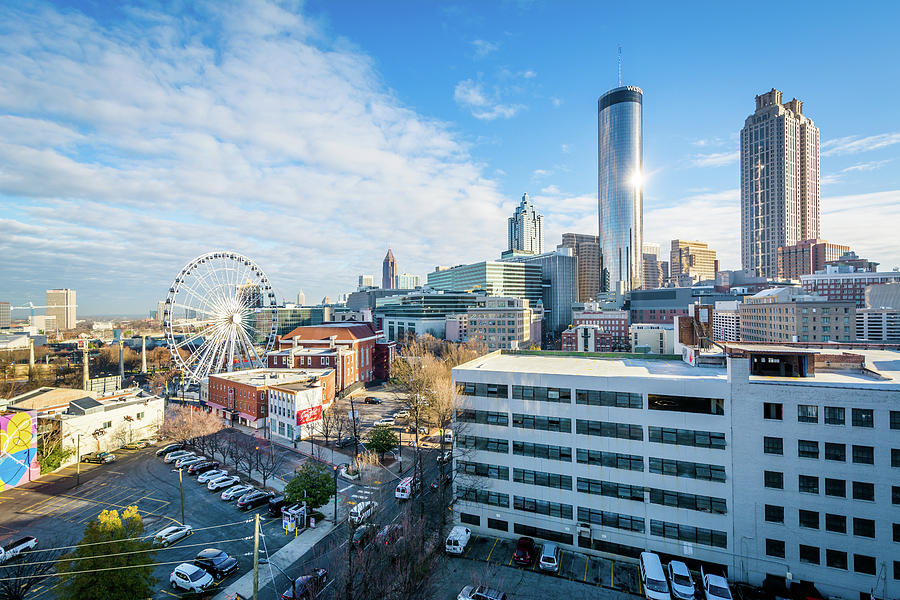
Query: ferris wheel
x=220, y=315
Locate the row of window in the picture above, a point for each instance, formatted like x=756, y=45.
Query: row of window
x=485, y=390
x=864, y=455
x=542, y=507
x=540, y=423
x=611, y=519
x=833, y=415
x=836, y=559
x=552, y=480
x=834, y=523
x=688, y=501
x=611, y=489
x=545, y=394
x=483, y=417
x=688, y=404
x=613, y=399
x=479, y=496
x=683, y=468
x=809, y=484
x=686, y=437
x=483, y=443
x=623, y=431
x=688, y=533
x=482, y=470
x=615, y=460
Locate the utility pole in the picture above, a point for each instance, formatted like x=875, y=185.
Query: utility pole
x=256, y=557
x=181, y=489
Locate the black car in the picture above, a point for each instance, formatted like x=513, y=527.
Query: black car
x=306, y=587
x=372, y=400
x=344, y=442
x=276, y=503
x=202, y=467
x=170, y=448
x=253, y=499
x=99, y=457
x=216, y=562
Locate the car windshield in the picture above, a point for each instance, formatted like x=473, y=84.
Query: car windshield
x=655, y=585
x=719, y=592
x=197, y=575
x=681, y=579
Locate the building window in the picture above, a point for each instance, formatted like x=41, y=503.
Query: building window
x=895, y=419
x=624, y=431
x=896, y=532
x=470, y=519
x=895, y=457
x=688, y=501
x=611, y=519
x=808, y=413
x=551, y=480
x=498, y=524
x=772, y=410
x=809, y=519
x=681, y=468
x=834, y=415
x=774, y=480
x=614, y=399
x=835, y=523
x=807, y=449
x=864, y=455
x=107, y=424
x=895, y=494
x=863, y=527
x=539, y=423
x=482, y=470
x=775, y=548
x=139, y=416
x=688, y=533
x=836, y=559
x=773, y=445
x=686, y=404
x=542, y=507
x=482, y=443
x=544, y=534
x=525, y=392
x=808, y=484
x=863, y=417
x=560, y=453
x=863, y=491
x=835, y=452
x=686, y=437
x=774, y=514
x=809, y=554
x=482, y=417
x=835, y=487
x=864, y=564
x=482, y=497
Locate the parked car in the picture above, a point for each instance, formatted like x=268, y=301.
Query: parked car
x=171, y=534
x=457, y=540
x=223, y=482
x=344, y=442
x=653, y=578
x=480, y=592
x=385, y=421
x=445, y=457
x=177, y=455
x=235, y=491
x=7, y=551
x=401, y=414
x=207, y=476
x=216, y=562
x=99, y=457
x=276, y=503
x=136, y=445
x=169, y=448
x=190, y=577
x=187, y=461
x=680, y=580
x=524, y=553
x=372, y=400
x=549, y=559
x=307, y=587
x=363, y=534
x=253, y=499
x=202, y=467
x=715, y=586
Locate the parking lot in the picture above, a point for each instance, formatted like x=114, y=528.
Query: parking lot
x=574, y=566
x=55, y=511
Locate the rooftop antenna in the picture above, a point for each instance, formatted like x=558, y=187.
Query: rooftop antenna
x=620, y=65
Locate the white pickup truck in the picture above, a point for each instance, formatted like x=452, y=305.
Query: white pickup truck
x=7, y=551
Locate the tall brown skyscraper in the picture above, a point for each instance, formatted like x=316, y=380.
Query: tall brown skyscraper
x=388, y=271
x=587, y=254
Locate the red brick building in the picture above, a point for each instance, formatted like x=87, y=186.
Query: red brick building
x=595, y=330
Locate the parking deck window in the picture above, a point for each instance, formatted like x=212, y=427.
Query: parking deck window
x=614, y=399
x=689, y=501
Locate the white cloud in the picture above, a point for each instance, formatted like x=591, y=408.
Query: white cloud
x=529, y=74
x=551, y=190
x=857, y=168
x=853, y=144
x=471, y=95
x=557, y=102
x=129, y=149
x=865, y=222
x=716, y=159
x=483, y=47
x=537, y=173
x=566, y=148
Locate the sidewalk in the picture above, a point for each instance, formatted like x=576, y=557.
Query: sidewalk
x=292, y=552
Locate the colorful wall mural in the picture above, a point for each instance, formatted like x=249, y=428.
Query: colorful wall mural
x=18, y=449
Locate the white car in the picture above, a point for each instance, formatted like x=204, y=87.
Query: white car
x=480, y=593
x=222, y=482
x=385, y=421
x=171, y=534
x=715, y=586
x=403, y=414
x=210, y=475
x=190, y=577
x=176, y=455
x=680, y=581
x=235, y=492
x=188, y=461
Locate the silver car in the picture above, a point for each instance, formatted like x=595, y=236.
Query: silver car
x=235, y=492
x=210, y=475
x=222, y=482
x=188, y=461
x=171, y=534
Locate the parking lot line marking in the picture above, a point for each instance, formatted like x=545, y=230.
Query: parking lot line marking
x=492, y=550
x=612, y=580
x=587, y=561
x=469, y=549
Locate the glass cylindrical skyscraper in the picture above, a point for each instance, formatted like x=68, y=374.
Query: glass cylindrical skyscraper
x=621, y=196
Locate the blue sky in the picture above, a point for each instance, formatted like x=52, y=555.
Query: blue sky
x=312, y=136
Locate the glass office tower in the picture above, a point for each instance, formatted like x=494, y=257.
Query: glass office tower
x=621, y=198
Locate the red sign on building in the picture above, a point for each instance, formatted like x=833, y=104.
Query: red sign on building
x=309, y=415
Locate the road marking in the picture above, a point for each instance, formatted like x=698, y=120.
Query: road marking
x=492, y=550
x=611, y=577
x=586, y=561
x=469, y=549
x=345, y=489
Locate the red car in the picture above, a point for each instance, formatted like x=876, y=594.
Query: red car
x=524, y=554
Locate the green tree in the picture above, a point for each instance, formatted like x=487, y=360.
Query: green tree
x=313, y=483
x=110, y=562
x=381, y=439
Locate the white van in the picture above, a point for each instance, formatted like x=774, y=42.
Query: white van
x=448, y=436
x=407, y=488
x=362, y=511
x=653, y=578
x=457, y=540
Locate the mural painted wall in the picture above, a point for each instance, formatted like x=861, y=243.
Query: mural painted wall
x=18, y=449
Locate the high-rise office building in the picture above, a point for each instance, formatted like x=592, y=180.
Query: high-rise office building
x=806, y=257
x=526, y=228
x=586, y=249
x=652, y=271
x=779, y=181
x=407, y=281
x=621, y=197
x=5, y=315
x=388, y=271
x=301, y=298
x=691, y=262
x=61, y=304
x=366, y=281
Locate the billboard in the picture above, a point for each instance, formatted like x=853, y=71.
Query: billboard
x=309, y=415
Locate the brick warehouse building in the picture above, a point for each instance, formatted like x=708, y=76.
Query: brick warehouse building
x=242, y=396
x=356, y=351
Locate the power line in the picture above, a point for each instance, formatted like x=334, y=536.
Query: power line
x=67, y=573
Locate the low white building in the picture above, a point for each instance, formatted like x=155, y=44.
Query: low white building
x=296, y=409
x=658, y=337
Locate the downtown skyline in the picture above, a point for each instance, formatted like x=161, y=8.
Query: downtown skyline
x=134, y=140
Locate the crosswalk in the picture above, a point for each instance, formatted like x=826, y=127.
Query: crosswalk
x=357, y=493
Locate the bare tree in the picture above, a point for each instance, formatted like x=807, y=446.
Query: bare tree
x=184, y=424
x=328, y=425
x=268, y=462
x=28, y=571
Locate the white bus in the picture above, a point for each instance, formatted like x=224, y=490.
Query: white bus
x=407, y=488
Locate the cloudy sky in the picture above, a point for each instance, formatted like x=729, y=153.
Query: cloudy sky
x=313, y=136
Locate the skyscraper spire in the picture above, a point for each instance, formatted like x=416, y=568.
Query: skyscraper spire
x=620, y=66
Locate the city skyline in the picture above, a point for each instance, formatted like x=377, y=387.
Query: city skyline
x=115, y=189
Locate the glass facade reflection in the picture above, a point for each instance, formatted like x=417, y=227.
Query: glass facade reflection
x=621, y=197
